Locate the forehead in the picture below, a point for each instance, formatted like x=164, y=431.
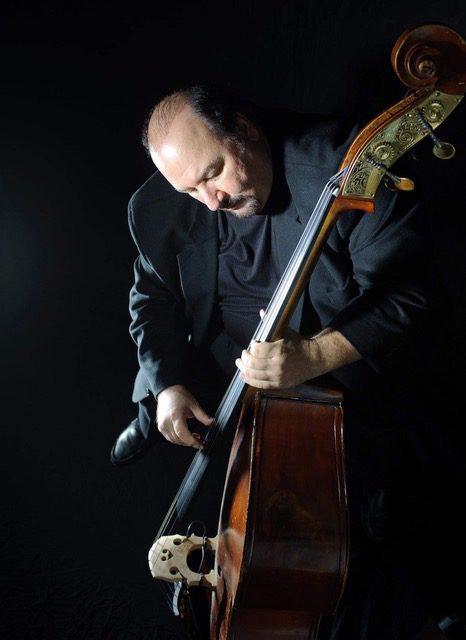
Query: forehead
x=187, y=134
x=186, y=148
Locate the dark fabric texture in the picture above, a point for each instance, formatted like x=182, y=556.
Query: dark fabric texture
x=247, y=273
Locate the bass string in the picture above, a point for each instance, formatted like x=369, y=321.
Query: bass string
x=266, y=327
x=275, y=309
x=237, y=386
x=264, y=330
x=273, y=312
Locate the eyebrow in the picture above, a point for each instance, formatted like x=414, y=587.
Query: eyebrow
x=205, y=174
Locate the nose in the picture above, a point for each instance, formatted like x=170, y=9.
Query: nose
x=212, y=198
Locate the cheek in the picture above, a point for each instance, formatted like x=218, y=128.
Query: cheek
x=240, y=179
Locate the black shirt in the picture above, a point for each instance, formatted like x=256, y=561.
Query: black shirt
x=248, y=273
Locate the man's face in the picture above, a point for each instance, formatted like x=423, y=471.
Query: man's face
x=214, y=170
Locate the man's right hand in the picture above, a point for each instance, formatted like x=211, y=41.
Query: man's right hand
x=176, y=405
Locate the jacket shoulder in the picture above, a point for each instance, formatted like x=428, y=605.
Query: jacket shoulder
x=321, y=142
x=154, y=189
x=318, y=140
x=164, y=222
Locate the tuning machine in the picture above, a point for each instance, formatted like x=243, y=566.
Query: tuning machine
x=392, y=181
x=441, y=150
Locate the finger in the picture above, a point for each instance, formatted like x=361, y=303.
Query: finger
x=249, y=373
x=166, y=429
x=181, y=431
x=259, y=383
x=174, y=435
x=253, y=361
x=201, y=415
x=266, y=349
x=250, y=364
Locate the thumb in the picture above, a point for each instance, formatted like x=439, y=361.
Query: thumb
x=201, y=415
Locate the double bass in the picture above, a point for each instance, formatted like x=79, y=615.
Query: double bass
x=282, y=546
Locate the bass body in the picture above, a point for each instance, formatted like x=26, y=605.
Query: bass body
x=282, y=543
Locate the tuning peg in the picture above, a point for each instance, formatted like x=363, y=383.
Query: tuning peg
x=390, y=179
x=399, y=183
x=442, y=150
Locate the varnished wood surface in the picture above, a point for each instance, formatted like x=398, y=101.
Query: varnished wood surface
x=282, y=537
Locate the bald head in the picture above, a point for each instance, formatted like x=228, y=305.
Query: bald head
x=162, y=117
x=198, y=157
x=215, y=107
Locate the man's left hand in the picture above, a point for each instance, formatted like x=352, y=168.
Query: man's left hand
x=294, y=359
x=284, y=363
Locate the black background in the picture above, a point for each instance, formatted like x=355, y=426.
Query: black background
x=77, y=81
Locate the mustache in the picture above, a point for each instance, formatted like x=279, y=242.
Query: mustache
x=233, y=202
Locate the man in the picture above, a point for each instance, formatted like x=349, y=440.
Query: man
x=215, y=227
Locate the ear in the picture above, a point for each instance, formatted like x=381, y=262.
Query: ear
x=246, y=129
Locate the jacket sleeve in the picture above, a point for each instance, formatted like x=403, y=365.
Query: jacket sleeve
x=158, y=320
x=389, y=253
x=158, y=327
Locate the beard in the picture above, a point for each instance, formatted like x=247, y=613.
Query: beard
x=249, y=206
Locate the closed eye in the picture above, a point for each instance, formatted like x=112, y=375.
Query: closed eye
x=215, y=171
x=211, y=172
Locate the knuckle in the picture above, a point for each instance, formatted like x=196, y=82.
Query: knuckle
x=161, y=426
x=280, y=375
x=178, y=430
x=172, y=412
x=166, y=434
x=278, y=369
